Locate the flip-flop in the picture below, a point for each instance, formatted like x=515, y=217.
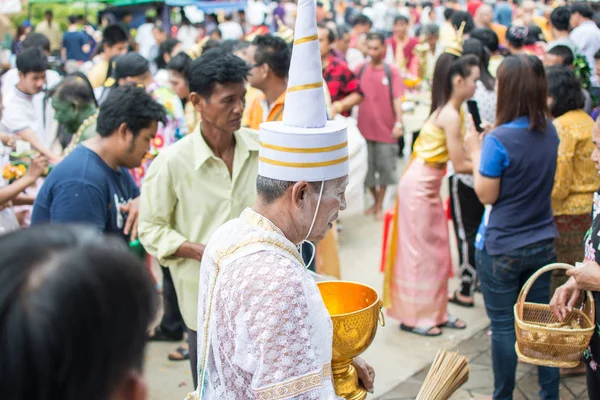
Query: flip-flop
x=420, y=331
x=183, y=352
x=455, y=300
x=452, y=323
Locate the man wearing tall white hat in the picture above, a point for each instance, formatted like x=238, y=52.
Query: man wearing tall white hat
x=263, y=330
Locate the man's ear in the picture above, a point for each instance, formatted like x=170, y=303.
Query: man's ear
x=133, y=387
x=123, y=131
x=198, y=101
x=299, y=193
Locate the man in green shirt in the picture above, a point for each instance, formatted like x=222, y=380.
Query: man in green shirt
x=201, y=181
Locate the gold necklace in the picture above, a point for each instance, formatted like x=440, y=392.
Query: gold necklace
x=77, y=137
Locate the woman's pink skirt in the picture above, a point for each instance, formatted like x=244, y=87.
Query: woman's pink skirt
x=422, y=261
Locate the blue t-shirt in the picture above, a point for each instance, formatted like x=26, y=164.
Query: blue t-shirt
x=503, y=15
x=525, y=162
x=84, y=189
x=73, y=42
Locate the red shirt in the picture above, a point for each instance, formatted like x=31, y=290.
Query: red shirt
x=376, y=116
x=341, y=82
x=408, y=49
x=472, y=7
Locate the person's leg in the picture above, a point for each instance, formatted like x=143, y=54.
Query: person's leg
x=593, y=383
x=193, y=348
x=456, y=213
x=172, y=321
x=370, y=179
x=500, y=287
x=386, y=166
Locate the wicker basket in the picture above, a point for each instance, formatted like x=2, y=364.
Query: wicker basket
x=542, y=339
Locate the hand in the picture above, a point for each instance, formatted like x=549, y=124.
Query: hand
x=133, y=211
x=587, y=277
x=397, y=132
x=37, y=166
x=564, y=299
x=473, y=139
x=7, y=139
x=336, y=108
x=365, y=372
x=192, y=251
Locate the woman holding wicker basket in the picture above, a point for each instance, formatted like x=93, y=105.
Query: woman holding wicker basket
x=586, y=277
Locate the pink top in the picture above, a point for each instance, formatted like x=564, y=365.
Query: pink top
x=376, y=117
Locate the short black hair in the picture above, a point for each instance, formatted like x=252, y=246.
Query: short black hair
x=240, y=45
x=32, y=59
x=114, y=34
x=165, y=47
x=330, y=33
x=38, y=40
x=362, y=19
x=180, y=63
x=561, y=18
x=215, y=66
x=273, y=51
x=376, y=36
x=210, y=44
x=342, y=29
x=228, y=45
x=217, y=31
x=131, y=105
x=49, y=13
x=488, y=37
x=73, y=19
x=402, y=18
x=73, y=290
x=565, y=89
x=564, y=52
x=448, y=13
x=582, y=8
x=597, y=55
x=462, y=16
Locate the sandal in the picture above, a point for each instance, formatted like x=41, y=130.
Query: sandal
x=421, y=331
x=180, y=354
x=455, y=300
x=452, y=323
x=161, y=336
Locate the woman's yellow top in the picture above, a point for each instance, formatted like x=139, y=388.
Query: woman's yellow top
x=576, y=178
x=431, y=145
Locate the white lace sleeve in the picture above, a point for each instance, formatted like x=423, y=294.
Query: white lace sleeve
x=287, y=327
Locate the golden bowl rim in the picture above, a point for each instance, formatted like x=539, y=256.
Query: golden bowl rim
x=377, y=301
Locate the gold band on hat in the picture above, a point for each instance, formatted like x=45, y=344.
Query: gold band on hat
x=303, y=164
x=305, y=87
x=306, y=39
x=304, y=150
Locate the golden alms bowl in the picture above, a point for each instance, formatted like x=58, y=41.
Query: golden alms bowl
x=355, y=310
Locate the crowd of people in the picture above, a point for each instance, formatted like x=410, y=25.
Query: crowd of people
x=150, y=134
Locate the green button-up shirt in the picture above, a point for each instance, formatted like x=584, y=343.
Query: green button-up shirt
x=187, y=194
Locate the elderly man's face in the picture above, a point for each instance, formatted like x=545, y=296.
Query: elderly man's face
x=333, y=201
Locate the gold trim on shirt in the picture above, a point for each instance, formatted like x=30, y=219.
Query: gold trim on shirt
x=294, y=387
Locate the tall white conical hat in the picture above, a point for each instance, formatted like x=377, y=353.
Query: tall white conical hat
x=304, y=146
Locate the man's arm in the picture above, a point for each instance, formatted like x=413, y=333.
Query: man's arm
x=29, y=135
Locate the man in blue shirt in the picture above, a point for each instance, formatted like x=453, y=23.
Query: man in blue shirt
x=92, y=184
x=503, y=13
x=76, y=45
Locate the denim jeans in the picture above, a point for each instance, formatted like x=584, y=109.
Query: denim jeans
x=502, y=278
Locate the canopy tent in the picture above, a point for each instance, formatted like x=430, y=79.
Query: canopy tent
x=209, y=6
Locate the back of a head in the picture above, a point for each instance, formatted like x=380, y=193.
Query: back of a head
x=32, y=60
x=449, y=13
x=439, y=87
x=563, y=52
x=131, y=105
x=462, y=16
x=215, y=66
x=522, y=91
x=180, y=63
x=74, y=312
x=363, y=20
x=582, y=8
x=273, y=51
x=228, y=45
x=488, y=37
x=73, y=19
x=565, y=90
x=165, y=48
x=114, y=34
x=75, y=89
x=37, y=40
x=516, y=36
x=561, y=18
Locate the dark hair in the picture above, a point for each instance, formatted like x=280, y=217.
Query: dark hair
x=75, y=89
x=462, y=16
x=522, y=91
x=240, y=45
x=516, y=35
x=561, y=18
x=564, y=52
x=32, y=59
x=399, y=18
x=114, y=34
x=565, y=90
x=131, y=105
x=446, y=68
x=216, y=66
x=210, y=45
x=448, y=13
x=73, y=19
x=362, y=19
x=597, y=55
x=228, y=45
x=180, y=63
x=376, y=36
x=330, y=33
x=476, y=47
x=73, y=290
x=273, y=51
x=582, y=8
x=342, y=29
x=217, y=31
x=270, y=189
x=165, y=47
x=37, y=40
x=488, y=37
x=49, y=12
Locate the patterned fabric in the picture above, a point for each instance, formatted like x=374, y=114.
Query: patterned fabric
x=340, y=80
x=263, y=330
x=576, y=178
x=168, y=133
x=592, y=253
